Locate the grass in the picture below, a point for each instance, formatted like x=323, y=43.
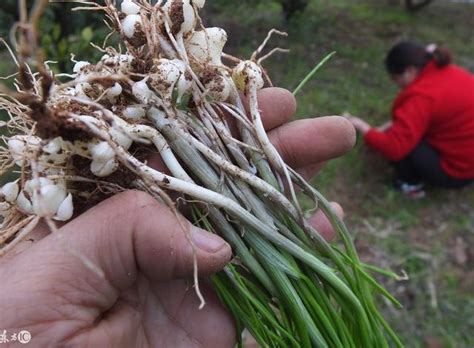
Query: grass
x=430, y=239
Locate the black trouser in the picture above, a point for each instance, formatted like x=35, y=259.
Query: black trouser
x=423, y=165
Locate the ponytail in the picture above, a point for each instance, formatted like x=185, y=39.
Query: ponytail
x=407, y=54
x=441, y=56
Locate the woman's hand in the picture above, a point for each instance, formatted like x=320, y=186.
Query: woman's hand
x=359, y=124
x=144, y=298
x=385, y=126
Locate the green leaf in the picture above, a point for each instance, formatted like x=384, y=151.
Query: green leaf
x=56, y=32
x=62, y=48
x=87, y=34
x=312, y=73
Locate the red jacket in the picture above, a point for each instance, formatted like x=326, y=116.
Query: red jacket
x=439, y=108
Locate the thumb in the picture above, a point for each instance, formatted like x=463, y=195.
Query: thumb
x=131, y=233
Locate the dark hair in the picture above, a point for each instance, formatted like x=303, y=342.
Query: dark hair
x=407, y=54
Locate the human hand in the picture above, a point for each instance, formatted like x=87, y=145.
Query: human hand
x=385, y=126
x=359, y=124
x=141, y=248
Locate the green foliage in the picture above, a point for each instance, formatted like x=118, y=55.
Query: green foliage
x=59, y=48
x=288, y=7
x=62, y=32
x=7, y=16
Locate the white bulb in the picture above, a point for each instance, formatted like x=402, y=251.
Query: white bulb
x=47, y=201
x=79, y=65
x=30, y=185
x=130, y=25
x=21, y=145
x=5, y=209
x=125, y=58
x=65, y=209
x=16, y=147
x=185, y=82
x=141, y=91
x=134, y=112
x=53, y=146
x=187, y=16
x=248, y=74
x=180, y=65
x=218, y=87
x=82, y=89
x=165, y=78
x=114, y=91
x=199, y=3
x=124, y=62
x=102, y=151
x=120, y=138
x=206, y=45
x=102, y=169
x=55, y=151
x=24, y=203
x=129, y=7
x=10, y=191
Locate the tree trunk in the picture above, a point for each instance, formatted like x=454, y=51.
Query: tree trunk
x=413, y=5
x=290, y=7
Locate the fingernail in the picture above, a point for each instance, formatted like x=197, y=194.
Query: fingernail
x=207, y=241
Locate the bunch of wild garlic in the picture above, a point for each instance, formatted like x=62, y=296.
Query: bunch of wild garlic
x=168, y=92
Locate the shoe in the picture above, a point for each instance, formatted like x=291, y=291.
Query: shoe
x=414, y=191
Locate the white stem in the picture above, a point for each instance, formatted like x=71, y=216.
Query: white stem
x=25, y=231
x=252, y=180
x=272, y=154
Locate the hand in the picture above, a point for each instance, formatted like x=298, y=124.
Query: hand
x=385, y=126
x=142, y=250
x=359, y=124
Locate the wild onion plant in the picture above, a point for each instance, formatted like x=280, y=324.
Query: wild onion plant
x=169, y=88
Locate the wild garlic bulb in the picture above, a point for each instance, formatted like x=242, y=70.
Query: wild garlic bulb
x=248, y=74
x=132, y=25
x=206, y=45
x=129, y=7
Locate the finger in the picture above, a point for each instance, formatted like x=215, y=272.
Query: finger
x=309, y=172
x=212, y=316
x=322, y=224
x=305, y=142
x=181, y=309
x=132, y=232
x=277, y=106
x=39, y=232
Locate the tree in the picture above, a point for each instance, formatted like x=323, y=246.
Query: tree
x=291, y=7
x=414, y=5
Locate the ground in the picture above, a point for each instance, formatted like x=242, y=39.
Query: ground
x=432, y=239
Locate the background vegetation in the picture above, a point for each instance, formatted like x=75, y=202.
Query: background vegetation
x=431, y=239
